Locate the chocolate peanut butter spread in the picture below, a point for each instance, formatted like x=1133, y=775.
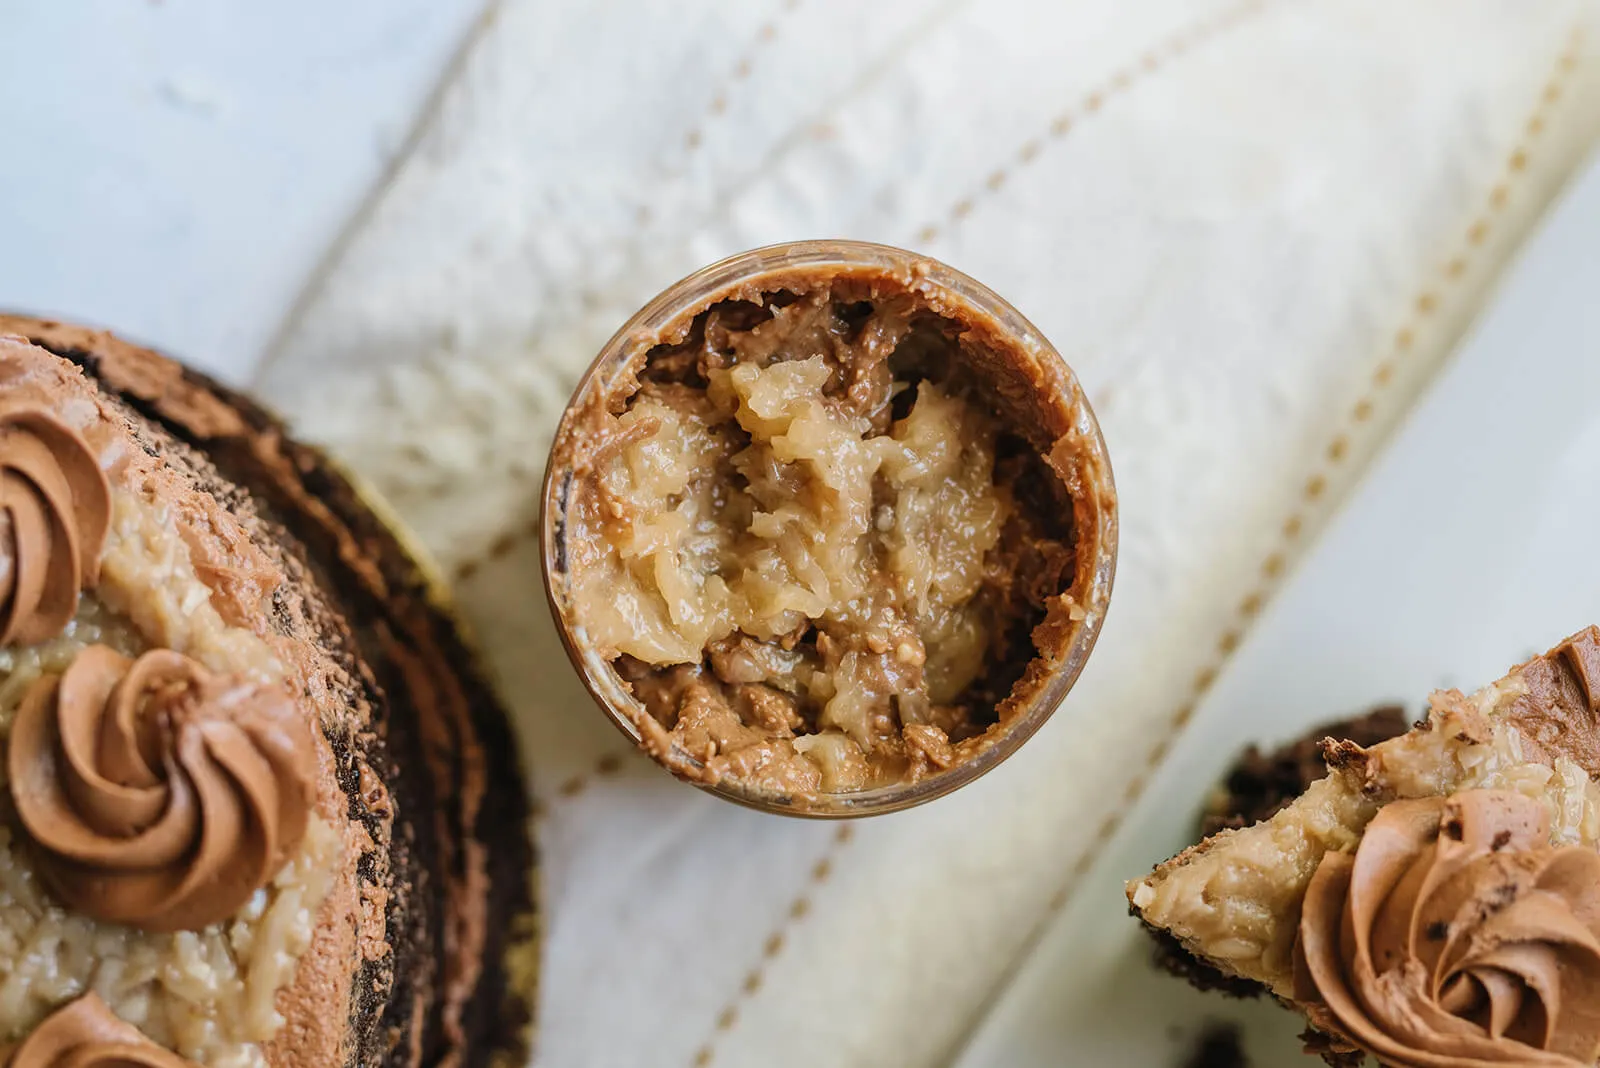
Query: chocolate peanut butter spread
x=826, y=532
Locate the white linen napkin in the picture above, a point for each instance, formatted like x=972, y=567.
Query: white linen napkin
x=1255, y=229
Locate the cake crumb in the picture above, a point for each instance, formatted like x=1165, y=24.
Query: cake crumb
x=1218, y=1046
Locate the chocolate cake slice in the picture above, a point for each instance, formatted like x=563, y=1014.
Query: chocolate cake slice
x=1256, y=788
x=1434, y=899
x=261, y=808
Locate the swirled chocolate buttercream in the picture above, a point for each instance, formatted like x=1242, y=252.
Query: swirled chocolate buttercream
x=157, y=793
x=85, y=1034
x=54, y=510
x=1456, y=935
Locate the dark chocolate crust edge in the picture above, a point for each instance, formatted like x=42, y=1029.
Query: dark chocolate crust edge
x=458, y=986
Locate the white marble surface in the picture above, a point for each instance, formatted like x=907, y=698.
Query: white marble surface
x=177, y=168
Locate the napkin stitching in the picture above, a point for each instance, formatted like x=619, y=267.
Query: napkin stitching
x=593, y=293
x=772, y=948
x=694, y=137
x=1168, y=49
x=1403, y=345
x=574, y=785
x=416, y=134
x=1174, y=45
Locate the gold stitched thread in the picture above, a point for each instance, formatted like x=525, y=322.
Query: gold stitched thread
x=1274, y=564
x=608, y=765
x=755, y=978
x=1095, y=99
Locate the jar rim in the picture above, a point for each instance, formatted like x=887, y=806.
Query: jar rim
x=675, y=307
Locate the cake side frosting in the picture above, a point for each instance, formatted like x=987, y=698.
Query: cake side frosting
x=1235, y=899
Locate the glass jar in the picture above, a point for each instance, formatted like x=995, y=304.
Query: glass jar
x=1060, y=424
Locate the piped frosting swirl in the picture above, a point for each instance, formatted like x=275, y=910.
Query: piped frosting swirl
x=1456, y=935
x=156, y=793
x=55, y=508
x=86, y=1034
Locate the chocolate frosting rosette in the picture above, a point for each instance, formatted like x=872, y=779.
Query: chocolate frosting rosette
x=85, y=1034
x=55, y=508
x=1456, y=935
x=156, y=793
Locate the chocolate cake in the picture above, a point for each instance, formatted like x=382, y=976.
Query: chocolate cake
x=1433, y=899
x=1218, y=1046
x=1256, y=788
x=1261, y=783
x=260, y=807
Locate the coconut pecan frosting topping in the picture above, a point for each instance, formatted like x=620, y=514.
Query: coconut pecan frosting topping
x=54, y=510
x=85, y=1034
x=1456, y=935
x=156, y=793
